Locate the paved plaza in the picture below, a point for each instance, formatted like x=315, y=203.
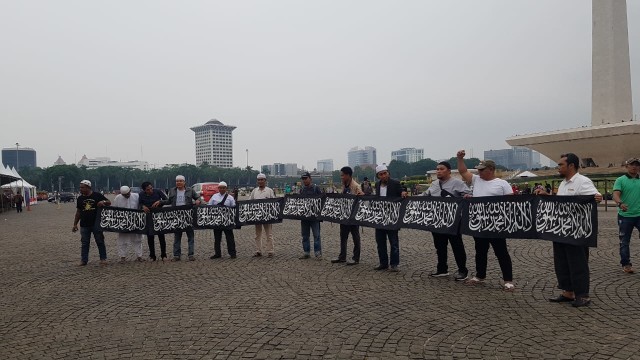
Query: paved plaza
x=283, y=307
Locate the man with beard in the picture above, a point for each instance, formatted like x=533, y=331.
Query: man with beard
x=388, y=187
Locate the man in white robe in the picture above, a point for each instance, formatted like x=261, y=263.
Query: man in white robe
x=128, y=200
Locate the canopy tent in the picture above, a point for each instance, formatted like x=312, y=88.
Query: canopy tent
x=6, y=175
x=526, y=174
x=19, y=185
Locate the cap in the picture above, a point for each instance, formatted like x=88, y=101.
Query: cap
x=261, y=176
x=305, y=175
x=180, y=177
x=633, y=160
x=486, y=164
x=86, y=182
x=124, y=189
x=222, y=183
x=381, y=168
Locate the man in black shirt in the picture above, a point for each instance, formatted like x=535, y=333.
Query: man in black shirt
x=150, y=198
x=87, y=209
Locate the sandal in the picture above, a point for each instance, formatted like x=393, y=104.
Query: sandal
x=508, y=286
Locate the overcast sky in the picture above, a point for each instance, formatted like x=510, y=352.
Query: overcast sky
x=301, y=80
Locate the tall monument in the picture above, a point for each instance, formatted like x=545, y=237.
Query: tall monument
x=613, y=135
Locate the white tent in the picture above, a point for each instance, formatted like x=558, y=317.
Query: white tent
x=526, y=174
x=21, y=186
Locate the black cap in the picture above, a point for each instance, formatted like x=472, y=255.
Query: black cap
x=305, y=175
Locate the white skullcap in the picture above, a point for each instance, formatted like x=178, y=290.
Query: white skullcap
x=381, y=168
x=86, y=182
x=124, y=189
x=262, y=176
x=180, y=177
x=222, y=183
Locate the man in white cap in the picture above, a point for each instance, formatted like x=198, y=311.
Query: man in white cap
x=86, y=213
x=388, y=187
x=127, y=200
x=182, y=195
x=223, y=198
x=263, y=192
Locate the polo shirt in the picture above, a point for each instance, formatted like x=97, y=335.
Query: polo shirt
x=629, y=188
x=577, y=185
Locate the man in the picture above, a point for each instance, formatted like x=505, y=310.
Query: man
x=448, y=186
x=350, y=186
x=86, y=213
x=571, y=262
x=18, y=199
x=151, y=198
x=307, y=226
x=179, y=196
x=388, y=187
x=127, y=200
x=222, y=198
x=367, y=189
x=487, y=184
x=626, y=194
x=263, y=192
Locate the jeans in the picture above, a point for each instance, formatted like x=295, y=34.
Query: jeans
x=381, y=241
x=500, y=249
x=306, y=228
x=177, y=242
x=440, y=241
x=217, y=240
x=572, y=268
x=626, y=225
x=152, y=246
x=345, y=230
x=85, y=240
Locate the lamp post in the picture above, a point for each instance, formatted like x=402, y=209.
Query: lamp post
x=248, y=172
x=17, y=152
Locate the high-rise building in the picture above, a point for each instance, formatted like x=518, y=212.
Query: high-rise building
x=105, y=161
x=516, y=158
x=408, y=155
x=279, y=169
x=362, y=157
x=19, y=157
x=214, y=144
x=325, y=166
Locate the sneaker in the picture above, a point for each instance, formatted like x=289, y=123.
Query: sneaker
x=461, y=276
x=318, y=256
x=192, y=258
x=215, y=256
x=82, y=263
x=104, y=262
x=394, y=268
x=337, y=261
x=352, y=262
x=628, y=269
x=175, y=258
x=439, y=274
x=232, y=256
x=474, y=281
x=305, y=256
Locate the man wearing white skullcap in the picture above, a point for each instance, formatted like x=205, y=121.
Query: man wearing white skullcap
x=86, y=213
x=388, y=187
x=263, y=192
x=182, y=195
x=128, y=200
x=223, y=198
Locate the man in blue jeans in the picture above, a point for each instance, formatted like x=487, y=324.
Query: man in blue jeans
x=626, y=194
x=87, y=210
x=308, y=226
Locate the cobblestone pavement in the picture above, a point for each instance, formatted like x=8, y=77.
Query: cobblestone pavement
x=283, y=307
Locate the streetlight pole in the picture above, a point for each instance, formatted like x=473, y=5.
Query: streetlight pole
x=17, y=152
x=247, y=159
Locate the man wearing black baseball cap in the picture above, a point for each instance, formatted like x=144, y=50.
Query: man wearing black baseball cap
x=626, y=194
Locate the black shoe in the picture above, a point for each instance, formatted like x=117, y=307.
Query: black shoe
x=232, y=256
x=215, y=256
x=352, y=262
x=560, y=298
x=257, y=254
x=581, y=301
x=461, y=276
x=336, y=261
x=380, y=267
x=394, y=268
x=192, y=258
x=439, y=274
x=305, y=256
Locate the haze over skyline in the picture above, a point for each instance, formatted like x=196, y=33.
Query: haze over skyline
x=301, y=81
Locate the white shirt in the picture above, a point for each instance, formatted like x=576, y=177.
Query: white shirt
x=577, y=185
x=130, y=203
x=383, y=190
x=180, y=200
x=217, y=198
x=265, y=193
x=495, y=187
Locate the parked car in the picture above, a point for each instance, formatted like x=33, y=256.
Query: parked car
x=205, y=190
x=64, y=197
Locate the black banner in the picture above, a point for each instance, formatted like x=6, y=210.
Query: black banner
x=568, y=220
x=338, y=208
x=378, y=212
x=435, y=214
x=500, y=217
x=122, y=220
x=215, y=217
x=171, y=219
x=264, y=211
x=302, y=207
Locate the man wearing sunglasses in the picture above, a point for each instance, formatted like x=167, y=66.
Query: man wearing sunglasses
x=448, y=186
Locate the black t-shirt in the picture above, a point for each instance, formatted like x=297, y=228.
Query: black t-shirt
x=88, y=208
